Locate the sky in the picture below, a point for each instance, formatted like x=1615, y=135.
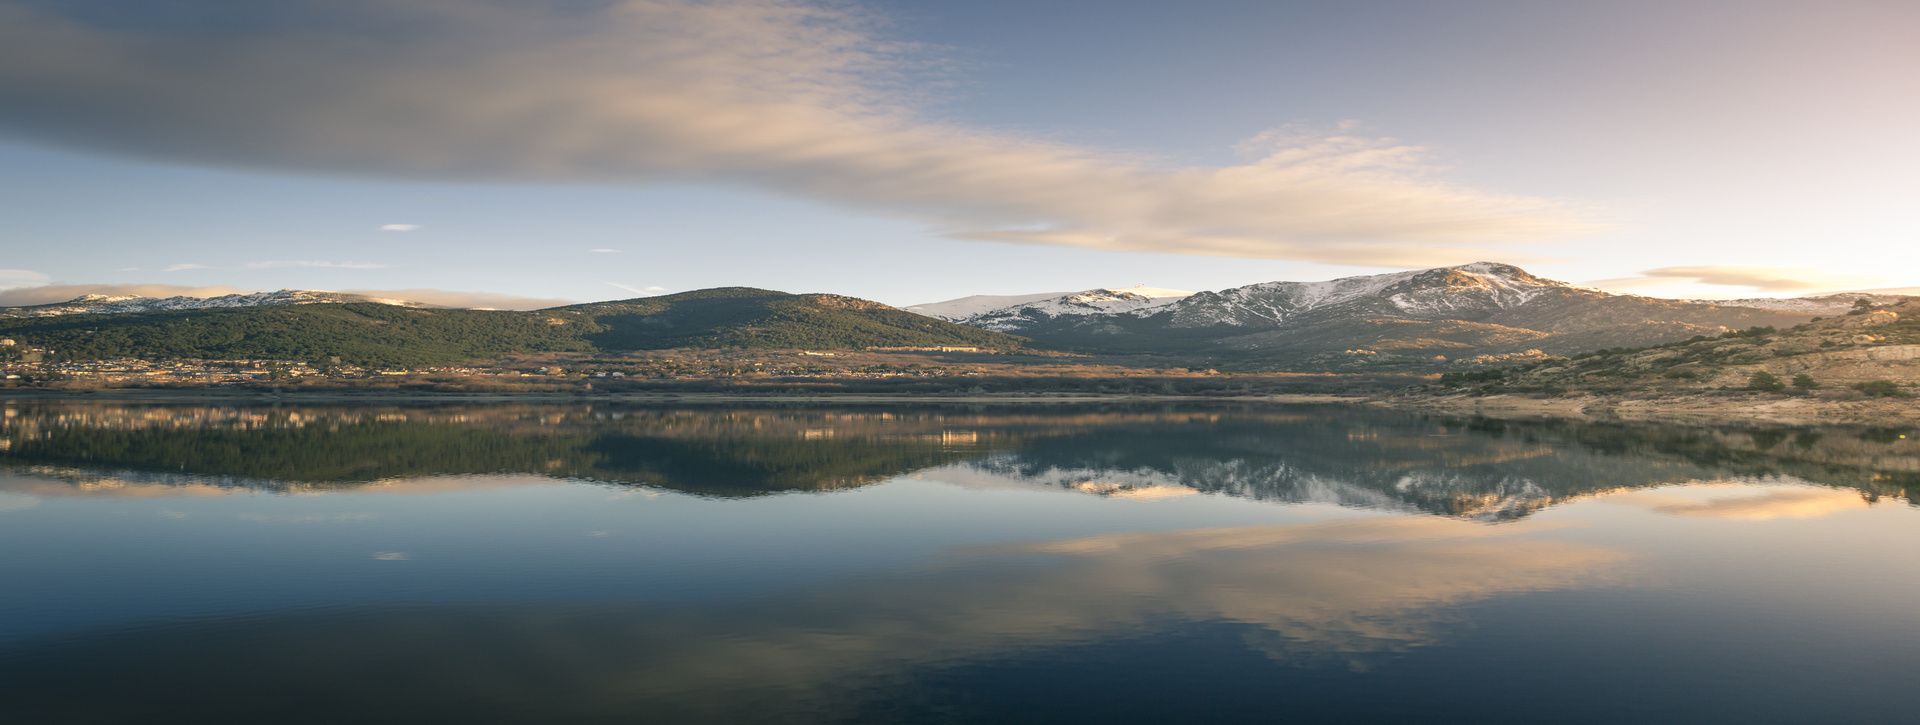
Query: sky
x=514, y=153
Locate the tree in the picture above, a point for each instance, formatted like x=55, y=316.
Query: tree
x=1804, y=381
x=1765, y=381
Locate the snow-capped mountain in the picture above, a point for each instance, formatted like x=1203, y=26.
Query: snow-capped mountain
x=1424, y=316
x=1017, y=311
x=1447, y=291
x=106, y=304
x=965, y=307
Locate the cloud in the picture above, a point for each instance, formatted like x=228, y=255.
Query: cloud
x=399, y=227
x=182, y=267
x=49, y=294
x=17, y=278
x=604, y=251
x=791, y=98
x=1765, y=279
x=1799, y=502
x=278, y=263
x=16, y=502
x=465, y=300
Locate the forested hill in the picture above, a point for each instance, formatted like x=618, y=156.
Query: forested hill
x=748, y=317
x=389, y=335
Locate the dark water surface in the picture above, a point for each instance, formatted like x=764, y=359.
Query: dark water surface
x=600, y=563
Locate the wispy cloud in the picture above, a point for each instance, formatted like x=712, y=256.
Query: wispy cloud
x=1763, y=279
x=789, y=97
x=604, y=251
x=16, y=278
x=399, y=227
x=279, y=263
x=182, y=267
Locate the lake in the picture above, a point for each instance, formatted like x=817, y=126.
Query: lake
x=767, y=563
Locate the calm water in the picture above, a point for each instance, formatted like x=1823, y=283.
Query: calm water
x=515, y=563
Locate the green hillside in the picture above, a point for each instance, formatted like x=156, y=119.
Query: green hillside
x=748, y=317
x=358, y=334
x=387, y=335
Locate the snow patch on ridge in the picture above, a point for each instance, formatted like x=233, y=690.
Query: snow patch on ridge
x=108, y=304
x=1137, y=301
x=1426, y=291
x=965, y=307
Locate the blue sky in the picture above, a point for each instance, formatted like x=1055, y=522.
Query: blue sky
x=916, y=151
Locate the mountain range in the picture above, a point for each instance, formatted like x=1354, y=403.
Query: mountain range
x=384, y=335
x=1484, y=313
x=122, y=304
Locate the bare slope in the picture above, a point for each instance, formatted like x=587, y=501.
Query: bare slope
x=1877, y=348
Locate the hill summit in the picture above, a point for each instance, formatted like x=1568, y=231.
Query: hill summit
x=1485, y=311
x=378, y=334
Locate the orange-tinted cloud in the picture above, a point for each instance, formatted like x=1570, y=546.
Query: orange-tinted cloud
x=1764, y=279
x=782, y=95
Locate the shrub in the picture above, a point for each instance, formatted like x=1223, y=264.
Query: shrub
x=1804, y=381
x=1765, y=381
x=1882, y=389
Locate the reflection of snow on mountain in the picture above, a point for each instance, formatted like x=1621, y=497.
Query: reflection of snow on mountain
x=1482, y=498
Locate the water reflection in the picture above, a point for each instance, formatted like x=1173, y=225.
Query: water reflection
x=1727, y=500
x=586, y=563
x=1339, y=594
x=1486, y=470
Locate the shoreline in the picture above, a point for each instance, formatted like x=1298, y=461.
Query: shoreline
x=1684, y=409
x=353, y=396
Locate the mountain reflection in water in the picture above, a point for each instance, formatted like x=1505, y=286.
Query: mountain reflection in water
x=745, y=564
x=1489, y=470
